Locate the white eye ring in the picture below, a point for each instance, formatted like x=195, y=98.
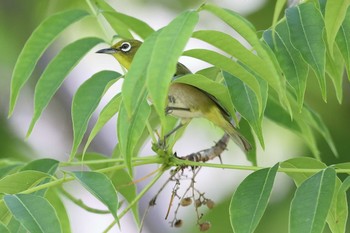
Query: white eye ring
x=125, y=47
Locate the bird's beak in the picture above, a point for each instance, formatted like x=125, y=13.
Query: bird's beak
x=107, y=51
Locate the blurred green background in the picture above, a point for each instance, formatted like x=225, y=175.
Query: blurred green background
x=19, y=18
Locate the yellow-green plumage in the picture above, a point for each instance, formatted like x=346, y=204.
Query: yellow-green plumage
x=184, y=101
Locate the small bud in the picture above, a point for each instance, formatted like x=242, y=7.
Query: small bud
x=204, y=226
x=173, y=172
x=210, y=204
x=178, y=223
x=197, y=203
x=186, y=201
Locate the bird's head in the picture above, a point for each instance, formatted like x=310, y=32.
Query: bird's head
x=124, y=51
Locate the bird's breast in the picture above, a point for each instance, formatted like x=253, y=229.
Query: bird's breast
x=185, y=101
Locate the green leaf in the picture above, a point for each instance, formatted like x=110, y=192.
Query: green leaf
x=139, y=27
x=248, y=32
x=304, y=123
x=338, y=213
x=250, y=200
x=85, y=102
x=311, y=203
x=293, y=65
x=215, y=89
x=230, y=66
x=279, y=6
x=35, y=46
x=335, y=70
x=233, y=47
x=5, y=215
x=275, y=112
x=56, y=202
x=308, y=135
x=46, y=165
x=161, y=49
x=121, y=179
x=15, y=226
x=213, y=73
x=101, y=187
x=334, y=16
x=246, y=102
x=315, y=121
x=90, y=156
x=166, y=52
x=34, y=212
x=134, y=88
x=9, y=169
x=306, y=27
x=343, y=41
x=124, y=184
x=130, y=130
x=21, y=181
x=106, y=114
x=237, y=22
x=302, y=162
x=56, y=72
x=342, y=165
x=345, y=185
x=3, y=228
x=246, y=130
x=118, y=26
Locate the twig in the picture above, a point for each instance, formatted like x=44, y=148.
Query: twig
x=152, y=202
x=81, y=204
x=210, y=153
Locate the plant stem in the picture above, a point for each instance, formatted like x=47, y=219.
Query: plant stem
x=48, y=185
x=150, y=131
x=137, y=163
x=137, y=198
x=181, y=162
x=148, y=160
x=97, y=16
x=81, y=204
x=98, y=161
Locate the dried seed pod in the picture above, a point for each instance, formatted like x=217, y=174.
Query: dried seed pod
x=186, y=201
x=210, y=204
x=197, y=203
x=178, y=223
x=204, y=226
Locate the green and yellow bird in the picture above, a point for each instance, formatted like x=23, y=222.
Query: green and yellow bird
x=184, y=101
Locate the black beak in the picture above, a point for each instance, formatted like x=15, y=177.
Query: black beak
x=107, y=51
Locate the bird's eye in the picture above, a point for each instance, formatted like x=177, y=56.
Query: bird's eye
x=125, y=47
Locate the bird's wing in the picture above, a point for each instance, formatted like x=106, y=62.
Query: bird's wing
x=181, y=70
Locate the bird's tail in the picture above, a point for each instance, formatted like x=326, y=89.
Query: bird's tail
x=223, y=121
x=237, y=137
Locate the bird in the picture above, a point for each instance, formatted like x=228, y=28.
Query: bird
x=184, y=101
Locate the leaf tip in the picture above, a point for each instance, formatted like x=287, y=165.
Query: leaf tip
x=12, y=104
x=9, y=114
x=30, y=128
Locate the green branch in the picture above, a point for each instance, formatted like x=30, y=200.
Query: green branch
x=97, y=15
x=145, y=161
x=181, y=162
x=137, y=198
x=48, y=185
x=172, y=162
x=81, y=204
x=108, y=160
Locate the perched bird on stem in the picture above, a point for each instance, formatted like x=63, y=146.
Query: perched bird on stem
x=184, y=101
